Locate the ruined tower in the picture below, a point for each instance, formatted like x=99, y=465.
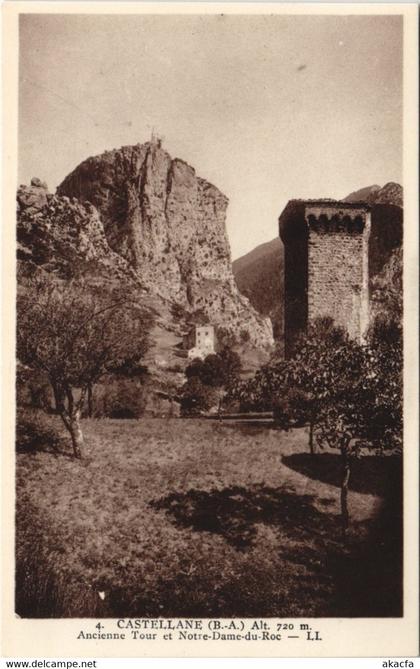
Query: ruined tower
x=331, y=251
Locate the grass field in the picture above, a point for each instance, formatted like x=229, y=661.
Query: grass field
x=171, y=517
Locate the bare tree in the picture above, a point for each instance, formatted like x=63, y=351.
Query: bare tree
x=75, y=336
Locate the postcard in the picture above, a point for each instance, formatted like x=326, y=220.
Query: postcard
x=210, y=272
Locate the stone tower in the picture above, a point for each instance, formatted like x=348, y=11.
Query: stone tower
x=331, y=251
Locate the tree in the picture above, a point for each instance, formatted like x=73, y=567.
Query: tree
x=349, y=394
x=196, y=397
x=232, y=365
x=74, y=336
x=217, y=371
x=307, y=382
x=357, y=390
x=382, y=418
x=225, y=338
x=294, y=389
x=261, y=392
x=194, y=369
x=345, y=387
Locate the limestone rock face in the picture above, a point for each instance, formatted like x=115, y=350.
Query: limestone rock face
x=32, y=198
x=61, y=235
x=391, y=193
x=169, y=225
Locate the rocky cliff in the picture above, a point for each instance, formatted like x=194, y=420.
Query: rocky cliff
x=391, y=193
x=61, y=236
x=168, y=224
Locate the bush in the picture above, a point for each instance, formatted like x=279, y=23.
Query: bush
x=217, y=369
x=33, y=389
x=124, y=398
x=178, y=312
x=225, y=339
x=35, y=431
x=290, y=410
x=196, y=397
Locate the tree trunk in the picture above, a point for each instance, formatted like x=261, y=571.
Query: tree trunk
x=76, y=434
x=59, y=402
x=311, y=439
x=70, y=416
x=344, y=491
x=90, y=400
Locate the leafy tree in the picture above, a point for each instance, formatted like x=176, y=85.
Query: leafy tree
x=357, y=392
x=232, y=365
x=123, y=398
x=225, y=338
x=296, y=408
x=262, y=391
x=382, y=418
x=217, y=371
x=349, y=394
x=196, y=397
x=75, y=336
x=307, y=376
x=296, y=389
x=246, y=393
x=194, y=369
x=212, y=372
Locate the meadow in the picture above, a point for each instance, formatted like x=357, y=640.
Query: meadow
x=189, y=517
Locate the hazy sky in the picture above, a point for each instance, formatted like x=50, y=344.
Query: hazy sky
x=267, y=108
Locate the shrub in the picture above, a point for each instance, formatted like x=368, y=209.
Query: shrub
x=196, y=397
x=35, y=431
x=292, y=408
x=217, y=370
x=225, y=339
x=32, y=389
x=178, y=312
x=124, y=398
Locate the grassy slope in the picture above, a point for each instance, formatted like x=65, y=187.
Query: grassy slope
x=186, y=518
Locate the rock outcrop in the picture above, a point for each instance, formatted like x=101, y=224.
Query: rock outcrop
x=168, y=224
x=391, y=193
x=61, y=236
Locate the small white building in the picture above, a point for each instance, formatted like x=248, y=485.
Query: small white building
x=204, y=342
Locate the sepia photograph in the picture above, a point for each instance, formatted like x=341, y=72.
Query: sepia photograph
x=209, y=344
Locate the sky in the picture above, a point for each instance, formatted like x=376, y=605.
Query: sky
x=267, y=108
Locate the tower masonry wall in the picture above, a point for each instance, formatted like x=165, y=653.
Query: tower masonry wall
x=337, y=279
x=338, y=282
